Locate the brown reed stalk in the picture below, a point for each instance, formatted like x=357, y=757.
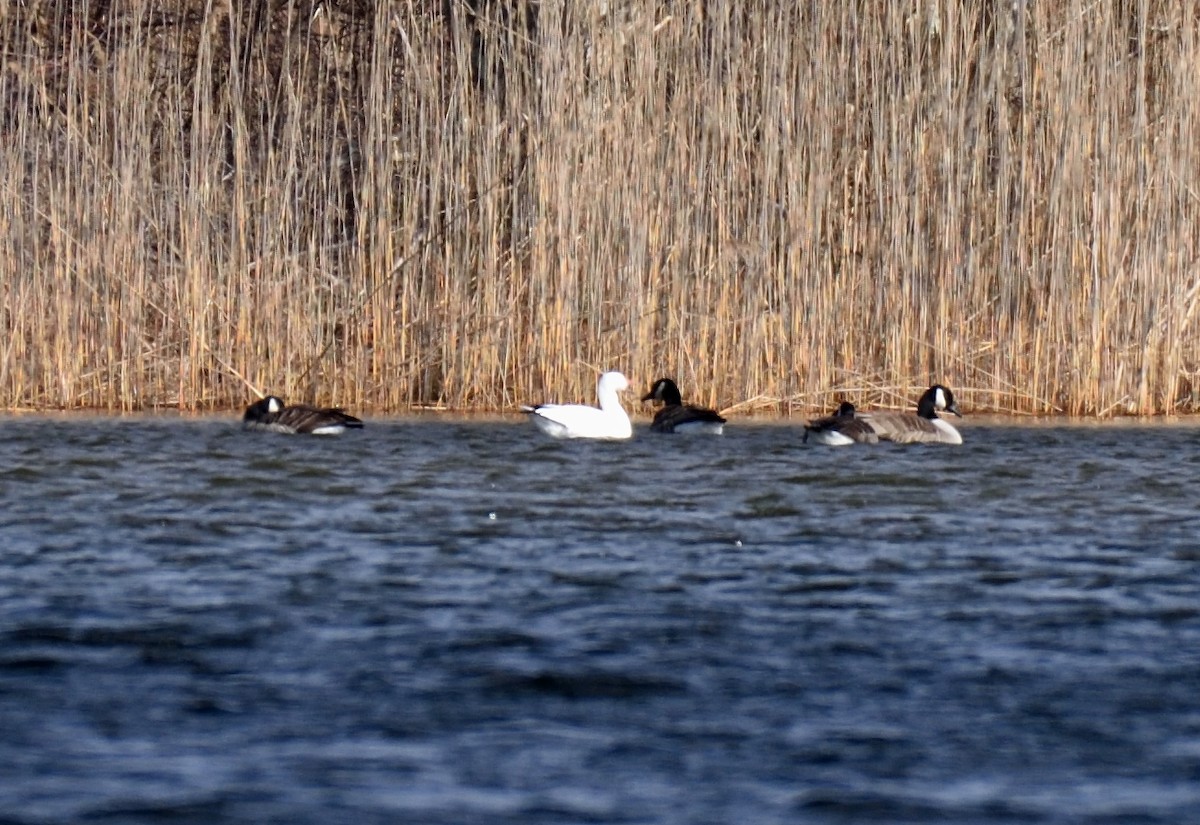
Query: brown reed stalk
x=471, y=205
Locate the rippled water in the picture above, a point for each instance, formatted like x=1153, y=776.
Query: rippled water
x=439, y=621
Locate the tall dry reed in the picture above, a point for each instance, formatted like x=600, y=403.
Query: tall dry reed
x=478, y=203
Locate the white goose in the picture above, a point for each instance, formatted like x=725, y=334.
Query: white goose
x=609, y=421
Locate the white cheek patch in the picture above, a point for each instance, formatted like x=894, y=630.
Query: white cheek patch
x=273, y=405
x=939, y=399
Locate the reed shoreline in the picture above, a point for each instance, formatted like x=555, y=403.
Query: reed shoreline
x=474, y=205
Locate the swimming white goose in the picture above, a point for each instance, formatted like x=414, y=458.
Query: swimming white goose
x=609, y=421
x=272, y=415
x=677, y=417
x=839, y=429
x=921, y=427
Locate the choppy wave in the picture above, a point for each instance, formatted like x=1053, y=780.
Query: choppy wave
x=456, y=621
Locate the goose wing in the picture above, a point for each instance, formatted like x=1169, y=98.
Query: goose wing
x=579, y=421
x=840, y=429
x=672, y=416
x=302, y=418
x=909, y=428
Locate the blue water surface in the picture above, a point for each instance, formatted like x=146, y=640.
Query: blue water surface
x=440, y=620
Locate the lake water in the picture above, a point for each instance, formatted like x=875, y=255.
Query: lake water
x=448, y=621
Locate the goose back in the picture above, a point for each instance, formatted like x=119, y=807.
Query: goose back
x=272, y=415
x=840, y=429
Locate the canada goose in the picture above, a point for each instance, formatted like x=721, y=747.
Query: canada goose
x=609, y=421
x=677, y=417
x=271, y=414
x=841, y=428
x=921, y=427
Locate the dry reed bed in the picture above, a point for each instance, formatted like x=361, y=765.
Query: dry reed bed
x=474, y=204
